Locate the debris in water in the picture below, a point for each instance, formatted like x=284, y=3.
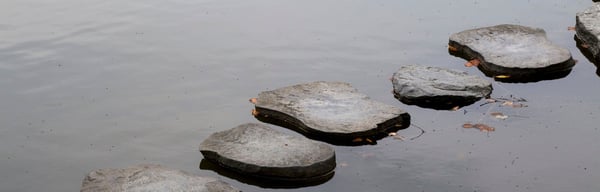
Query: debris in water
x=499, y=115
x=481, y=127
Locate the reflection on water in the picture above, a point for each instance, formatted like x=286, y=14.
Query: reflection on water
x=97, y=84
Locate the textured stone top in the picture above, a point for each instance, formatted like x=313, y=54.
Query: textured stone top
x=257, y=149
x=423, y=81
x=588, y=27
x=333, y=107
x=150, y=178
x=513, y=46
x=329, y=106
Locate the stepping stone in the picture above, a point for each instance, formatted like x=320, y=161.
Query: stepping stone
x=512, y=53
x=587, y=29
x=333, y=112
x=438, y=88
x=151, y=178
x=259, y=151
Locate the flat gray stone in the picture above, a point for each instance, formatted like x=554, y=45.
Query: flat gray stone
x=258, y=150
x=334, y=112
x=150, y=178
x=587, y=29
x=513, y=53
x=438, y=88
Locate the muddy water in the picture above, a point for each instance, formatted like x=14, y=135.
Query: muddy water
x=98, y=84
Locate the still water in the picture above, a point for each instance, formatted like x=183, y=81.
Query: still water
x=108, y=84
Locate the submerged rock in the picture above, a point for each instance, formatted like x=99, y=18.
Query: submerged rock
x=334, y=112
x=438, y=88
x=259, y=151
x=512, y=53
x=587, y=29
x=151, y=178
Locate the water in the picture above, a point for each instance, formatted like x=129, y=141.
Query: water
x=107, y=84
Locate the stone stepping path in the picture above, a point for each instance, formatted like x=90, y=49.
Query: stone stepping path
x=151, y=178
x=259, y=151
x=334, y=112
x=438, y=88
x=512, y=53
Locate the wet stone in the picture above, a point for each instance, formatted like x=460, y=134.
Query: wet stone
x=259, y=151
x=587, y=29
x=334, y=112
x=151, y=178
x=438, y=88
x=512, y=53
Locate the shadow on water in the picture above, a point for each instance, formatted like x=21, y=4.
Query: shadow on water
x=584, y=49
x=264, y=182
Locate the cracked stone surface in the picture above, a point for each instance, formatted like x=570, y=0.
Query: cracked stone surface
x=517, y=53
x=438, y=88
x=150, y=178
x=259, y=150
x=330, y=111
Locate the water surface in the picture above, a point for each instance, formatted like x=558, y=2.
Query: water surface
x=107, y=84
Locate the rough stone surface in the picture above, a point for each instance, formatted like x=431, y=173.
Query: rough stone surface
x=438, y=88
x=334, y=112
x=150, y=178
x=587, y=28
x=258, y=150
x=517, y=53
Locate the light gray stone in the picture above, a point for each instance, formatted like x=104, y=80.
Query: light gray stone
x=258, y=150
x=438, y=88
x=334, y=112
x=150, y=178
x=517, y=53
x=587, y=29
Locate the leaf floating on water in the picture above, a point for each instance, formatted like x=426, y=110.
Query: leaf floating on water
x=481, y=127
x=455, y=108
x=499, y=115
x=502, y=76
x=513, y=104
x=253, y=100
x=472, y=63
x=451, y=48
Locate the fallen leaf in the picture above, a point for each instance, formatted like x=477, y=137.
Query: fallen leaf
x=498, y=115
x=467, y=125
x=451, y=48
x=254, y=112
x=571, y=28
x=472, y=63
x=253, y=100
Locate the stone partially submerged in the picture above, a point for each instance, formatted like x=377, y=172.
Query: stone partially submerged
x=334, y=112
x=512, y=53
x=151, y=178
x=587, y=29
x=438, y=88
x=259, y=151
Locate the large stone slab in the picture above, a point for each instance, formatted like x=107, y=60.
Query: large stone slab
x=334, y=112
x=150, y=178
x=259, y=151
x=512, y=53
x=587, y=29
x=438, y=88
